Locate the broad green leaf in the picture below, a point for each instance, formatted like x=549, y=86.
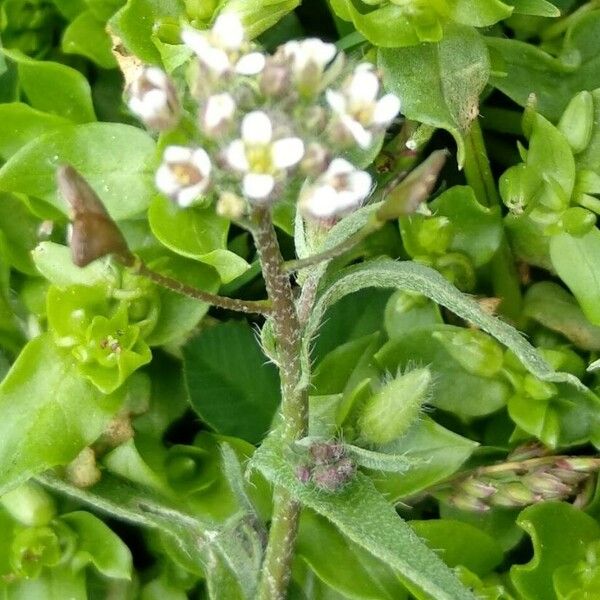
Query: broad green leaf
x=439, y=84
x=460, y=544
x=197, y=233
x=54, y=88
x=86, y=35
x=136, y=21
x=436, y=453
x=414, y=277
x=577, y=262
x=20, y=229
x=21, y=123
x=343, y=565
x=99, y=545
x=115, y=159
x=49, y=413
x=538, y=8
x=370, y=522
x=406, y=312
x=180, y=314
x=231, y=385
x=549, y=304
x=554, y=81
x=54, y=262
x=560, y=533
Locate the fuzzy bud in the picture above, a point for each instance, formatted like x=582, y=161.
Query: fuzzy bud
x=392, y=410
x=477, y=488
x=333, y=477
x=514, y=494
x=325, y=453
x=275, y=78
x=82, y=472
x=230, y=206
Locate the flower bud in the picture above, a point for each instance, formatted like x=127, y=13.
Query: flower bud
x=316, y=160
x=477, y=488
x=579, y=464
x=514, y=494
x=230, y=206
x=547, y=485
x=474, y=350
x=275, y=77
x=577, y=122
x=467, y=503
x=333, y=477
x=517, y=187
x=392, y=410
x=29, y=504
x=217, y=115
x=152, y=98
x=326, y=453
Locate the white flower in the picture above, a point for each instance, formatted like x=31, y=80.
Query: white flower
x=220, y=49
x=340, y=190
x=184, y=174
x=152, y=98
x=218, y=113
x=358, y=108
x=308, y=53
x=260, y=157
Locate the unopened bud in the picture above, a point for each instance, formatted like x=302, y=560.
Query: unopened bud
x=316, y=160
x=333, y=477
x=326, y=453
x=567, y=476
x=512, y=495
x=477, y=488
x=152, y=98
x=467, y=503
x=29, y=504
x=82, y=472
x=518, y=186
x=546, y=484
x=218, y=114
x=275, y=77
x=580, y=464
x=230, y=206
x=392, y=410
x=577, y=122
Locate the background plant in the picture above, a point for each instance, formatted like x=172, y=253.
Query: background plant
x=147, y=404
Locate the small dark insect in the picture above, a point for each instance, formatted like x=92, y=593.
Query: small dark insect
x=95, y=234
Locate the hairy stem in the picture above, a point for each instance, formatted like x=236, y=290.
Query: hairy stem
x=246, y=306
x=294, y=407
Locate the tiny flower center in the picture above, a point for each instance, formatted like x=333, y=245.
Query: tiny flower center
x=259, y=159
x=186, y=174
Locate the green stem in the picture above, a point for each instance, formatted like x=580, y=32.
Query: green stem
x=294, y=406
x=479, y=176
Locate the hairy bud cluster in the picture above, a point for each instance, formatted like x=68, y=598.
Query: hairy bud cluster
x=265, y=121
x=328, y=468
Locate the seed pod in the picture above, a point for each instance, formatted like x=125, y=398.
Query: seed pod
x=94, y=234
x=392, y=410
x=577, y=122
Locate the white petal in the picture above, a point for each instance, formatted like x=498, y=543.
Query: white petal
x=360, y=184
x=364, y=87
x=153, y=103
x=257, y=186
x=195, y=40
x=290, y=49
x=165, y=180
x=216, y=60
x=177, y=154
x=336, y=101
x=156, y=76
x=347, y=201
x=321, y=52
x=187, y=195
x=219, y=108
x=257, y=128
x=362, y=136
x=236, y=156
x=386, y=109
x=339, y=166
x=201, y=161
x=250, y=64
x=287, y=152
x=320, y=202
x=228, y=31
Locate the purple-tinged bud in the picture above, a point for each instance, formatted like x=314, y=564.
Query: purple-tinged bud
x=581, y=464
x=303, y=474
x=533, y=449
x=514, y=494
x=275, y=78
x=547, y=485
x=467, y=503
x=332, y=478
x=567, y=476
x=316, y=160
x=325, y=453
x=477, y=488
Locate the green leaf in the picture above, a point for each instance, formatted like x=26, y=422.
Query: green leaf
x=414, y=277
x=197, y=233
x=136, y=21
x=115, y=159
x=577, y=263
x=343, y=565
x=538, y=8
x=230, y=385
x=180, y=314
x=54, y=88
x=86, y=35
x=99, y=545
x=20, y=229
x=560, y=533
x=554, y=81
x=21, y=123
x=477, y=229
x=439, y=84
x=369, y=521
x=49, y=413
x=259, y=15
x=460, y=544
x=549, y=304
x=435, y=453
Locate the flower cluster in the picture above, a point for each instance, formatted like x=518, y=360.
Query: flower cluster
x=265, y=122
